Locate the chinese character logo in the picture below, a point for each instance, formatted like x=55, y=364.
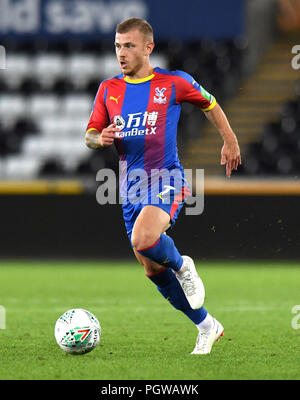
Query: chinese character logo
x=137, y=119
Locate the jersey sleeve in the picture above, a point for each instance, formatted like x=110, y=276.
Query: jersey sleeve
x=99, y=116
x=188, y=90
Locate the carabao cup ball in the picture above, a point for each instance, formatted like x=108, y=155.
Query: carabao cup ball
x=77, y=331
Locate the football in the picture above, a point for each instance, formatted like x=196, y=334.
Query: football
x=77, y=331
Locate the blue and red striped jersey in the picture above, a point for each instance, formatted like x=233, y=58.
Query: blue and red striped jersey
x=147, y=112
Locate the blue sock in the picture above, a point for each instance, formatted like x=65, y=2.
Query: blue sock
x=168, y=285
x=164, y=252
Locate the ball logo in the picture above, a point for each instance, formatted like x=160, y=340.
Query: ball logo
x=84, y=332
x=119, y=121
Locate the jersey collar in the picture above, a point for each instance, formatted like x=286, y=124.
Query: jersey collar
x=148, y=78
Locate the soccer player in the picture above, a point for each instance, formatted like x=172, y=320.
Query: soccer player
x=138, y=111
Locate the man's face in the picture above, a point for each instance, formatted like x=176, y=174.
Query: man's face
x=132, y=51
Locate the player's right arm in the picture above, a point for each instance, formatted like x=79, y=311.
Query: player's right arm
x=96, y=140
x=99, y=133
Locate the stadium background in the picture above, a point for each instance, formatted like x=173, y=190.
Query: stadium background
x=57, y=53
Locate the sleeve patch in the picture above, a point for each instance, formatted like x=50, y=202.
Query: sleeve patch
x=205, y=94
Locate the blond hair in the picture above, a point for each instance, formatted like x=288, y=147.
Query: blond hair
x=136, y=23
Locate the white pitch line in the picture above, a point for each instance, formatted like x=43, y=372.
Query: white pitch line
x=251, y=308
x=132, y=309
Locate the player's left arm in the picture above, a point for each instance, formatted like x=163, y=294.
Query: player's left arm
x=230, y=153
x=188, y=90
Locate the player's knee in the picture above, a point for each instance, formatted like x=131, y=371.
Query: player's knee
x=143, y=240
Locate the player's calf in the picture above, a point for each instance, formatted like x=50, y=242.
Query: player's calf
x=151, y=268
x=163, y=252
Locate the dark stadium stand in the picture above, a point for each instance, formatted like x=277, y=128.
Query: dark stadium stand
x=47, y=92
x=48, y=88
x=277, y=151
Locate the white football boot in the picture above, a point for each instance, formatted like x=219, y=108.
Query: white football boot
x=206, y=339
x=191, y=283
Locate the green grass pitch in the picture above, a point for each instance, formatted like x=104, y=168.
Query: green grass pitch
x=143, y=337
